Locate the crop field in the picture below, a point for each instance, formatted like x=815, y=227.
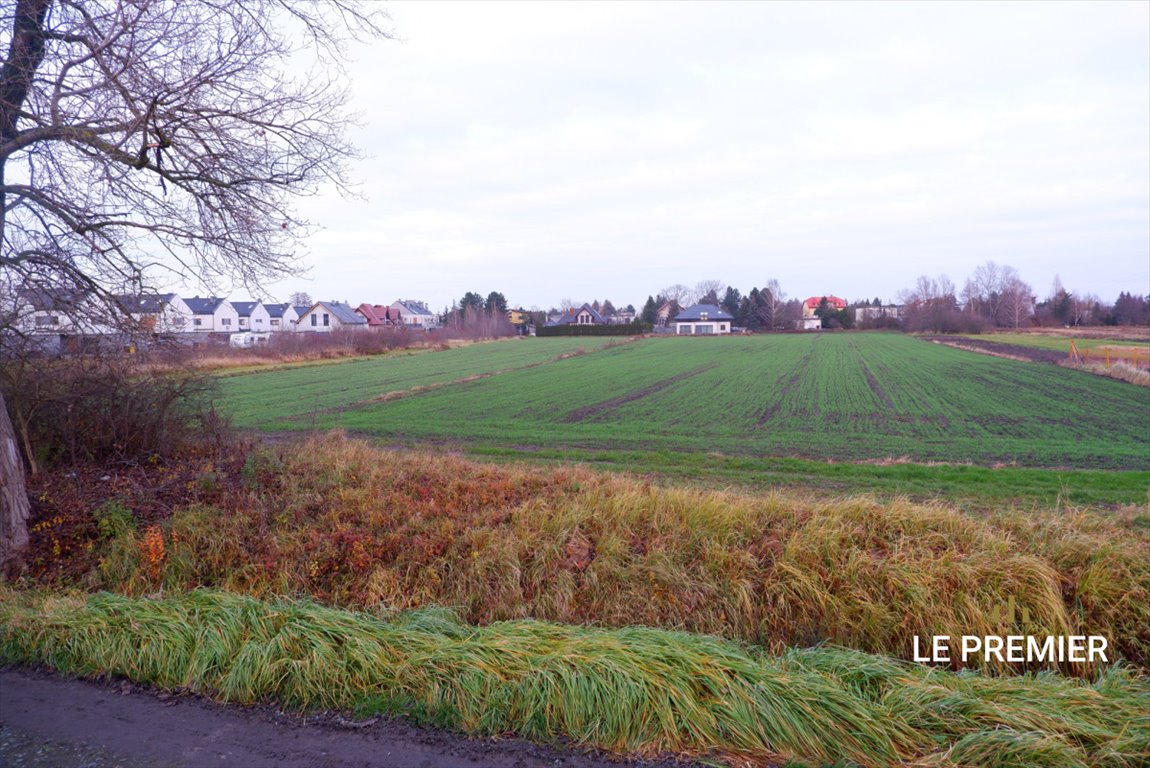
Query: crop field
x=266, y=397
x=1062, y=343
x=848, y=397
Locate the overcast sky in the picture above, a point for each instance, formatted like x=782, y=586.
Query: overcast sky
x=588, y=151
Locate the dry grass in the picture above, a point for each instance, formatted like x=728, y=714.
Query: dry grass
x=348, y=524
x=1121, y=371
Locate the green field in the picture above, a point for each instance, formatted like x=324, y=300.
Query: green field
x=1062, y=343
x=734, y=407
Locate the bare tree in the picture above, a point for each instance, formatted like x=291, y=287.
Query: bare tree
x=300, y=299
x=774, y=300
x=139, y=136
x=931, y=305
x=985, y=292
x=1017, y=302
x=679, y=294
x=709, y=291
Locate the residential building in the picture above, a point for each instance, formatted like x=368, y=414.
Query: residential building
x=810, y=320
x=253, y=316
x=213, y=315
x=584, y=315
x=156, y=313
x=281, y=317
x=328, y=316
x=703, y=320
x=378, y=315
x=413, y=314
x=871, y=314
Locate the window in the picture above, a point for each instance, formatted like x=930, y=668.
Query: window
x=705, y=330
x=275, y=322
x=723, y=327
x=702, y=315
x=49, y=320
x=314, y=321
x=197, y=322
x=225, y=321
x=326, y=320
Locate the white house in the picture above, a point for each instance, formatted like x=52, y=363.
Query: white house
x=213, y=314
x=282, y=317
x=328, y=316
x=157, y=313
x=56, y=311
x=253, y=315
x=703, y=320
x=413, y=314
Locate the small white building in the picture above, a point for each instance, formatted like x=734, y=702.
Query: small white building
x=703, y=320
x=413, y=314
x=253, y=315
x=213, y=315
x=281, y=317
x=328, y=316
x=157, y=313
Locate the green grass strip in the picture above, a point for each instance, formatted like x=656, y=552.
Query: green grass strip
x=634, y=690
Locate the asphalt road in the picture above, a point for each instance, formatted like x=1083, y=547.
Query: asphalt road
x=52, y=722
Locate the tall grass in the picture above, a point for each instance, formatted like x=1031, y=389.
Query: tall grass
x=354, y=526
x=632, y=690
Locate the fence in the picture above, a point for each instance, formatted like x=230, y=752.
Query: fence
x=1138, y=358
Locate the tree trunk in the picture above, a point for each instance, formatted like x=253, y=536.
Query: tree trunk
x=14, y=505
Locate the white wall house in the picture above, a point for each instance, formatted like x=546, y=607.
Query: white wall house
x=281, y=317
x=328, y=316
x=703, y=320
x=157, y=313
x=253, y=315
x=213, y=315
x=414, y=314
x=58, y=313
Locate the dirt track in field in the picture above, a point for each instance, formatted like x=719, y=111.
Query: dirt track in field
x=48, y=721
x=998, y=349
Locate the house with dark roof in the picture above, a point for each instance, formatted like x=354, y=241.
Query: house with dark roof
x=584, y=315
x=703, y=320
x=157, y=312
x=56, y=311
x=282, y=317
x=253, y=315
x=328, y=316
x=413, y=314
x=213, y=315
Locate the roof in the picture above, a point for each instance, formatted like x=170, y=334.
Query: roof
x=834, y=301
x=276, y=310
x=52, y=299
x=301, y=311
x=568, y=317
x=412, y=307
x=375, y=314
x=695, y=313
x=342, y=312
x=205, y=306
x=144, y=303
x=245, y=308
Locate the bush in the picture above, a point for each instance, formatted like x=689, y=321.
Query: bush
x=86, y=409
x=626, y=329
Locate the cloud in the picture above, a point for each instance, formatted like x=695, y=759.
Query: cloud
x=604, y=149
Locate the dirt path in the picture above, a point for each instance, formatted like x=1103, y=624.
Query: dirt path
x=51, y=721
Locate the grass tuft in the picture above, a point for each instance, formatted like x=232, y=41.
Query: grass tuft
x=632, y=690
